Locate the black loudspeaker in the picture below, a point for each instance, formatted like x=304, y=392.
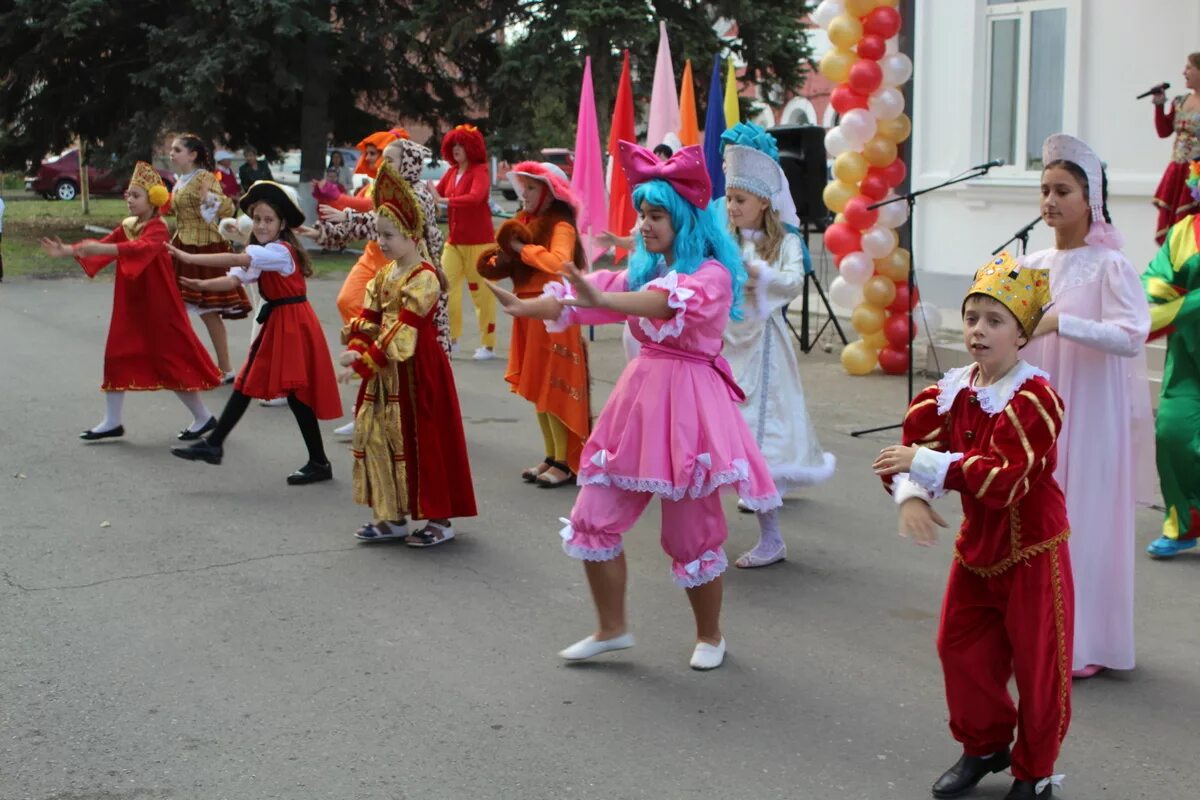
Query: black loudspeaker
x=802, y=156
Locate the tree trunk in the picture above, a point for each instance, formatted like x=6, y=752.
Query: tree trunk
x=84, y=194
x=314, y=52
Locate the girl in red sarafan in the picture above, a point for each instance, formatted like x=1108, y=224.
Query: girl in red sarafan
x=989, y=432
x=289, y=357
x=151, y=344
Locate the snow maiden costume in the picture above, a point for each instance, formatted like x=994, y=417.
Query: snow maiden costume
x=761, y=349
x=1172, y=283
x=1096, y=362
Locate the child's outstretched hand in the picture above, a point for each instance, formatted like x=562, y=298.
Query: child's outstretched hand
x=55, y=247
x=509, y=302
x=347, y=375
x=182, y=255
x=348, y=358
x=195, y=284
x=306, y=232
x=894, y=459
x=330, y=214
x=586, y=295
x=920, y=522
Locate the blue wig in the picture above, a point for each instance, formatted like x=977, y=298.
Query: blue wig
x=698, y=237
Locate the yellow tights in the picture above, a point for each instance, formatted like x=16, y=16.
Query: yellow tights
x=554, y=435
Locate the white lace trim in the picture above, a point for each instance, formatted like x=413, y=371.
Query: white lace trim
x=929, y=468
x=704, y=569
x=677, y=297
x=586, y=553
x=560, y=290
x=992, y=398
x=702, y=484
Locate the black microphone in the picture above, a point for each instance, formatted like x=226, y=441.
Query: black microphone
x=1162, y=87
x=995, y=162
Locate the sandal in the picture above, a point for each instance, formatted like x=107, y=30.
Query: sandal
x=545, y=482
x=382, y=531
x=531, y=475
x=429, y=536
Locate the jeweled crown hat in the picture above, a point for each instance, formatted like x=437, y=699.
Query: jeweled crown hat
x=1023, y=291
x=395, y=199
x=282, y=198
x=147, y=177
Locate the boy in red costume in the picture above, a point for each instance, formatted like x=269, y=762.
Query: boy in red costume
x=988, y=431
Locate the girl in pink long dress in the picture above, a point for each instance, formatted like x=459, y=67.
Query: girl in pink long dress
x=1090, y=342
x=671, y=427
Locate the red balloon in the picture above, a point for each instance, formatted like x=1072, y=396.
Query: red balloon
x=894, y=360
x=903, y=302
x=872, y=47
x=874, y=186
x=865, y=76
x=841, y=239
x=895, y=172
x=845, y=99
x=895, y=327
x=883, y=22
x=858, y=214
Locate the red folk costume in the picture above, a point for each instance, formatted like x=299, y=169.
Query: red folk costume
x=151, y=344
x=1009, y=604
x=410, y=454
x=548, y=369
x=1172, y=197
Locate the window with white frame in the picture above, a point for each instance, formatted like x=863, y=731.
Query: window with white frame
x=1028, y=42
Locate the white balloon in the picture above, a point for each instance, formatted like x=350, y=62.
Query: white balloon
x=926, y=318
x=893, y=215
x=836, y=143
x=826, y=11
x=857, y=268
x=844, y=294
x=878, y=241
x=887, y=103
x=858, y=126
x=897, y=69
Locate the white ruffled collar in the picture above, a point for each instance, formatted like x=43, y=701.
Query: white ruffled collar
x=992, y=398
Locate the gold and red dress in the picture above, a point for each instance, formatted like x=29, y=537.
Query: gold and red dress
x=151, y=344
x=548, y=369
x=197, y=202
x=1009, y=605
x=410, y=454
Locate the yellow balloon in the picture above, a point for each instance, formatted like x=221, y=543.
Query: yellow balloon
x=879, y=152
x=850, y=167
x=839, y=217
x=837, y=194
x=845, y=31
x=858, y=358
x=879, y=291
x=896, y=130
x=867, y=319
x=894, y=265
x=835, y=65
x=876, y=341
x=860, y=8
x=882, y=3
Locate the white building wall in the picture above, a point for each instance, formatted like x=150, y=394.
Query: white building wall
x=1116, y=50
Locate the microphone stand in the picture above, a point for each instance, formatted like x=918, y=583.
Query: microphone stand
x=1021, y=235
x=911, y=199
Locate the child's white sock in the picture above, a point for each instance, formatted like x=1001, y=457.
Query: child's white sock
x=113, y=403
x=200, y=413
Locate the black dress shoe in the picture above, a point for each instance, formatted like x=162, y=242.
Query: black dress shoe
x=187, y=435
x=200, y=450
x=311, y=473
x=89, y=436
x=1027, y=790
x=968, y=771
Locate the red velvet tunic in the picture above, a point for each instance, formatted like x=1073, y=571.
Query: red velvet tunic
x=151, y=344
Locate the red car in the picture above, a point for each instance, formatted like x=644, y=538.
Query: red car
x=58, y=178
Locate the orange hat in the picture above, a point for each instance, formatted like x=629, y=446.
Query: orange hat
x=379, y=140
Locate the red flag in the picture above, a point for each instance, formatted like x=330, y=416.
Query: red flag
x=621, y=214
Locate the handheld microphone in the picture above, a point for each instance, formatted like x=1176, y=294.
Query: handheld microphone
x=995, y=162
x=1162, y=87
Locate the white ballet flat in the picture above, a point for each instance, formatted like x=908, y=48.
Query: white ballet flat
x=748, y=559
x=707, y=656
x=586, y=648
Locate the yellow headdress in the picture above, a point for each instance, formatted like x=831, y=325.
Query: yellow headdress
x=148, y=178
x=395, y=199
x=1023, y=291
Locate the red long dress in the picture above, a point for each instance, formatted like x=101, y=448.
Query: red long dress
x=151, y=344
x=1172, y=197
x=290, y=353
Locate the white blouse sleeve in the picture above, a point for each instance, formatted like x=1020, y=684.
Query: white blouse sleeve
x=1124, y=316
x=273, y=257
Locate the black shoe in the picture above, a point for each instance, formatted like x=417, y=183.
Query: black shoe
x=968, y=771
x=201, y=450
x=311, y=473
x=186, y=435
x=89, y=436
x=1027, y=790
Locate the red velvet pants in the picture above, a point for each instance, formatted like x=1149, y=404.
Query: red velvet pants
x=1021, y=623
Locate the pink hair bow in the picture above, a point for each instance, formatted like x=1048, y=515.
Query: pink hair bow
x=685, y=171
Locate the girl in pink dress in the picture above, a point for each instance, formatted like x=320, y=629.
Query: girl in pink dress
x=1090, y=343
x=671, y=427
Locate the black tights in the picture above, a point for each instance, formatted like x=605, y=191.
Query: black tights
x=305, y=418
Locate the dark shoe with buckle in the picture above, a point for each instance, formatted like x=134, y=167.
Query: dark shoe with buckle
x=188, y=435
x=968, y=771
x=1027, y=790
x=311, y=473
x=200, y=450
x=113, y=433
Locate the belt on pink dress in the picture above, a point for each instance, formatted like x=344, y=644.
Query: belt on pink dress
x=718, y=363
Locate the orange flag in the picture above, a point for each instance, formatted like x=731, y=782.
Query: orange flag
x=689, y=128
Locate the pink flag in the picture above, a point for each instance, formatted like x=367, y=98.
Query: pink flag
x=588, y=178
x=664, y=96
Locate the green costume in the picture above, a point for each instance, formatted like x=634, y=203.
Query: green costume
x=1172, y=283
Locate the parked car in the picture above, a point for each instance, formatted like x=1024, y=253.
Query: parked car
x=58, y=178
x=561, y=157
x=287, y=169
x=433, y=171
